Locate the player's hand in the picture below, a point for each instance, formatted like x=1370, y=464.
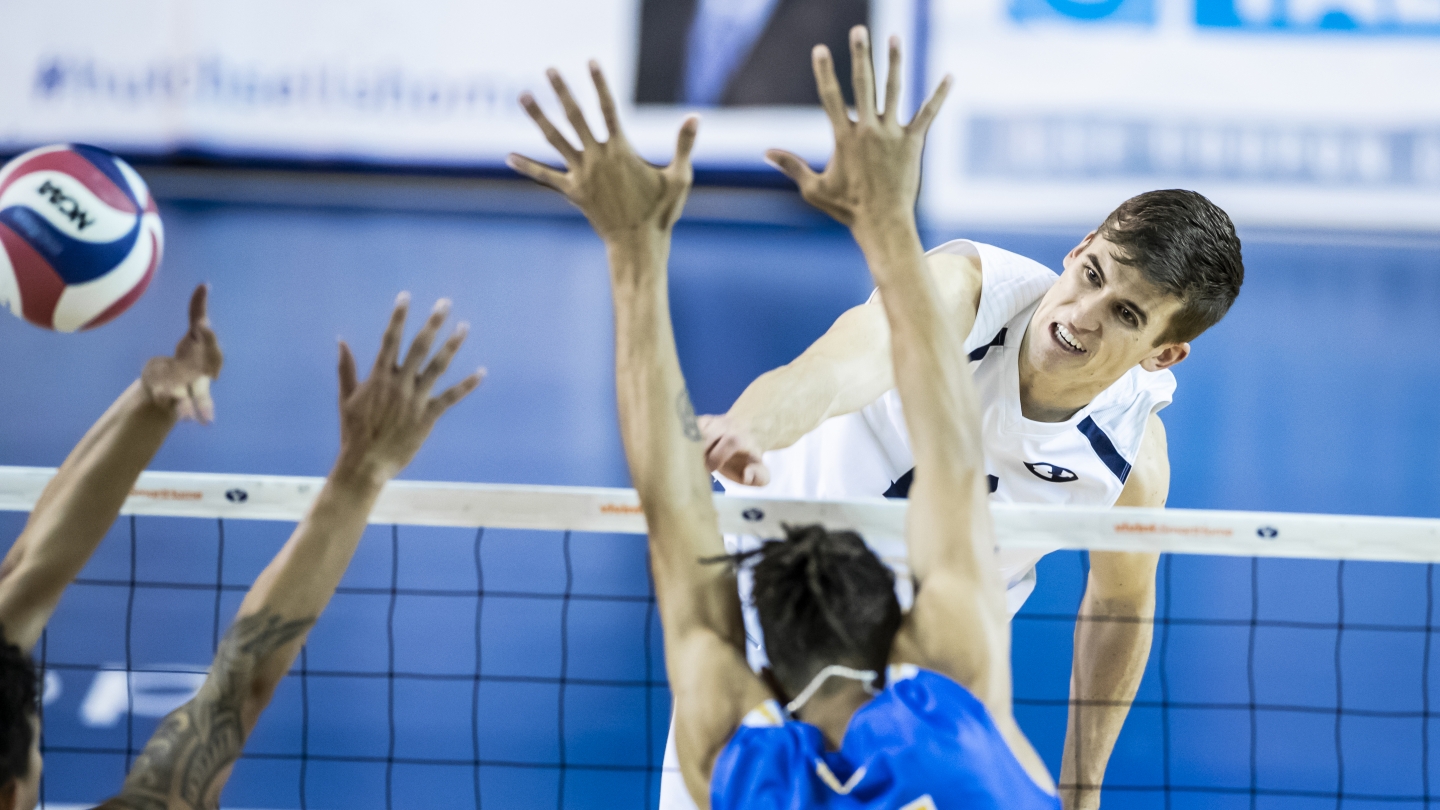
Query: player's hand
x=875, y=169
x=385, y=419
x=731, y=451
x=618, y=190
x=182, y=383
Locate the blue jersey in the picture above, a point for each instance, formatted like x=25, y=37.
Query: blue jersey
x=925, y=743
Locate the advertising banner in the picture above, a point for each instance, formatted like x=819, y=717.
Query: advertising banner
x=1288, y=113
x=423, y=82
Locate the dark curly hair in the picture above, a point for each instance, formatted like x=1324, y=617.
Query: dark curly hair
x=19, y=703
x=823, y=598
x=1185, y=245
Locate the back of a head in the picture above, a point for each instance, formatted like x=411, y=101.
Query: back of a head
x=18, y=707
x=824, y=598
x=1185, y=245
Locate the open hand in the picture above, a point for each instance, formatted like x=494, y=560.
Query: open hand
x=732, y=451
x=385, y=419
x=875, y=169
x=182, y=383
x=618, y=191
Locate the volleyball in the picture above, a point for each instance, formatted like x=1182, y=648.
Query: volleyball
x=80, y=237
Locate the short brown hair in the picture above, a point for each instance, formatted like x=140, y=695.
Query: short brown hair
x=1185, y=245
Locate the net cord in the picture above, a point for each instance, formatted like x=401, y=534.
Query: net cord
x=881, y=521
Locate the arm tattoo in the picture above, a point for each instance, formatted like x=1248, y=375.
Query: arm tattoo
x=686, y=412
x=188, y=760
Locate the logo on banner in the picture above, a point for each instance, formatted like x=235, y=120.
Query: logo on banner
x=1332, y=17
x=1134, y=12
x=1054, y=473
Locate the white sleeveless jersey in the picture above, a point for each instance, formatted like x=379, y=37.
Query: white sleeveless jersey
x=1083, y=460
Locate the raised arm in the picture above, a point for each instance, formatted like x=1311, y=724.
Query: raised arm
x=633, y=206
x=383, y=422
x=846, y=369
x=81, y=502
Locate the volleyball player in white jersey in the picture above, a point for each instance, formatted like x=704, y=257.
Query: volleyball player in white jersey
x=1071, y=370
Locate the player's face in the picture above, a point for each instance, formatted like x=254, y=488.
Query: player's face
x=1101, y=319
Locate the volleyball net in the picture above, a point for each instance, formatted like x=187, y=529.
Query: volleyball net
x=498, y=646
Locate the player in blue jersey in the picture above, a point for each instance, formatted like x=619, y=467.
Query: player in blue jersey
x=869, y=707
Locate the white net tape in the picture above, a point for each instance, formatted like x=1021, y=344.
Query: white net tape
x=603, y=509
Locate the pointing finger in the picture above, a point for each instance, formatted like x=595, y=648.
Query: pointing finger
x=607, y=101
x=425, y=338
x=442, y=358
x=198, y=303
x=348, y=379
x=923, y=119
x=567, y=152
x=572, y=110
x=892, y=83
x=829, y=88
x=537, y=171
x=685, y=141
x=862, y=73
x=390, y=343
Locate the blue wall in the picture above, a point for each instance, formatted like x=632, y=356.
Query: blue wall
x=1315, y=394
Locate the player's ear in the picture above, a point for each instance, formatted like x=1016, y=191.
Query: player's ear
x=1165, y=356
x=1084, y=243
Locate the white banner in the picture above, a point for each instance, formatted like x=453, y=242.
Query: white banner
x=1310, y=113
x=420, y=82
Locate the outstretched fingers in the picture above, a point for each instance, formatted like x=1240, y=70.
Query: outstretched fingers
x=792, y=166
x=828, y=87
x=532, y=107
x=607, y=101
x=685, y=143
x=425, y=338
x=390, y=342
x=455, y=393
x=892, y=83
x=537, y=171
x=572, y=110
x=922, y=120
x=862, y=73
x=349, y=379
x=441, y=361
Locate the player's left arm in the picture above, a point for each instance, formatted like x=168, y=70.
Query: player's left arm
x=81, y=502
x=1112, y=636
x=383, y=422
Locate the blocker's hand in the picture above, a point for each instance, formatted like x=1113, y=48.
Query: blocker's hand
x=182, y=383
x=875, y=169
x=731, y=451
x=384, y=420
x=618, y=190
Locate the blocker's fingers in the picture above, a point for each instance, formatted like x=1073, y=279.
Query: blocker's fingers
x=456, y=392
x=607, y=101
x=828, y=87
x=390, y=342
x=425, y=338
x=862, y=73
x=572, y=110
x=792, y=166
x=537, y=171
x=567, y=152
x=349, y=380
x=199, y=301
x=200, y=395
x=892, y=82
x=442, y=358
x=926, y=115
x=685, y=141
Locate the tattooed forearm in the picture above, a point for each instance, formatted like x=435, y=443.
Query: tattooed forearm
x=686, y=412
x=188, y=760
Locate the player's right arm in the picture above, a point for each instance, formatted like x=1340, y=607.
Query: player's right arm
x=846, y=369
x=81, y=502
x=959, y=624
x=633, y=207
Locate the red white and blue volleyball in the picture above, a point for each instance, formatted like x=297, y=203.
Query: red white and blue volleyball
x=80, y=237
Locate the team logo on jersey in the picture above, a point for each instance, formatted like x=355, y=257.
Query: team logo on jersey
x=1053, y=473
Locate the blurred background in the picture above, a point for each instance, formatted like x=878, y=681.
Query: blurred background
x=311, y=160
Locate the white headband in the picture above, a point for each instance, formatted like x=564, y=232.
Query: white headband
x=866, y=677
